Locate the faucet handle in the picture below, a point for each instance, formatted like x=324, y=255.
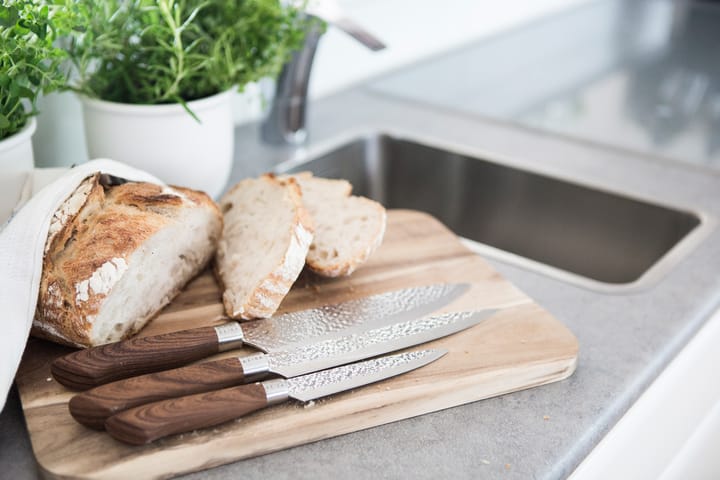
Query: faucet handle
x=330, y=12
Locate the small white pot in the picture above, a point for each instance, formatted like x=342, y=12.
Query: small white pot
x=16, y=162
x=165, y=140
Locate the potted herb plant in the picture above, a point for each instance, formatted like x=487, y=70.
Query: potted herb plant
x=29, y=66
x=155, y=78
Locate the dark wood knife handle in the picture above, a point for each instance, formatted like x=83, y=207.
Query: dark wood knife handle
x=93, y=407
x=98, y=365
x=146, y=423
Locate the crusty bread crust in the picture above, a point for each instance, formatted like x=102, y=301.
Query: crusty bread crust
x=265, y=297
x=90, y=251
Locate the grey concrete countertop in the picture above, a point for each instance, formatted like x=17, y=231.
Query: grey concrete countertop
x=626, y=340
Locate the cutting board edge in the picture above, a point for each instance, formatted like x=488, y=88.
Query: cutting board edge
x=564, y=369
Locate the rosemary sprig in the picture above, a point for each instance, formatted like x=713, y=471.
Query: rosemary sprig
x=169, y=51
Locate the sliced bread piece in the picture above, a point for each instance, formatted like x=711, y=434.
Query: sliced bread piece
x=316, y=189
x=347, y=228
x=116, y=254
x=262, y=250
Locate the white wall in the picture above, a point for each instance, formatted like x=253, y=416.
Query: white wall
x=413, y=30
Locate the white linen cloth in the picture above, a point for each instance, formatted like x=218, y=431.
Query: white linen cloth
x=22, y=242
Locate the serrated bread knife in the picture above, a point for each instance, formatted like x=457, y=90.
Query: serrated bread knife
x=95, y=366
x=146, y=423
x=92, y=407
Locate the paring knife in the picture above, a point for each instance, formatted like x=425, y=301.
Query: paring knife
x=93, y=407
x=146, y=423
x=95, y=366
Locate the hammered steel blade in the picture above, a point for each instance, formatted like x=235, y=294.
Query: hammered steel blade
x=94, y=407
x=327, y=382
x=282, y=331
x=358, y=346
x=143, y=355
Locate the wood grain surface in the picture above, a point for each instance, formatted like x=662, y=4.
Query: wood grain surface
x=92, y=407
x=521, y=346
x=146, y=423
x=95, y=366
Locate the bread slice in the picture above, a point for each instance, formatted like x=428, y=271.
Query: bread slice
x=116, y=254
x=316, y=189
x=263, y=246
x=347, y=228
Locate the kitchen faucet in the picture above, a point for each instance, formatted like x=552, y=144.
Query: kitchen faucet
x=285, y=123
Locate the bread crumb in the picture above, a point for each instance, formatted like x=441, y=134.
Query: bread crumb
x=309, y=404
x=507, y=466
x=48, y=379
x=546, y=417
x=485, y=462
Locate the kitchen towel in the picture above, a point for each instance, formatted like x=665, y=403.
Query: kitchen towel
x=22, y=241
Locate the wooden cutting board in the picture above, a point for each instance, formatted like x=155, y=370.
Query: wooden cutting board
x=521, y=346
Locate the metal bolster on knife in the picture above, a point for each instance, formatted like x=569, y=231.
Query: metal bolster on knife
x=255, y=365
x=230, y=336
x=277, y=390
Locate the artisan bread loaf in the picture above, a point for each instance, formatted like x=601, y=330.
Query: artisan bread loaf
x=265, y=240
x=117, y=253
x=347, y=228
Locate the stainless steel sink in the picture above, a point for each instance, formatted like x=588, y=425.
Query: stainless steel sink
x=592, y=237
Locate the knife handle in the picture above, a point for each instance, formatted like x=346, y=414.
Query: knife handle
x=106, y=363
x=94, y=406
x=146, y=423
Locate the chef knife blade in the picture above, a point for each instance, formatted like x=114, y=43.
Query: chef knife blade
x=147, y=423
x=93, y=407
x=98, y=365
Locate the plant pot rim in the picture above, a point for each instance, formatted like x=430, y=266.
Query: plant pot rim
x=19, y=137
x=160, y=109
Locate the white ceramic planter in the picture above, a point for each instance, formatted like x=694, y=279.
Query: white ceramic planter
x=165, y=140
x=16, y=162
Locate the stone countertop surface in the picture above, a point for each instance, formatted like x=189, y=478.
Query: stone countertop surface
x=625, y=339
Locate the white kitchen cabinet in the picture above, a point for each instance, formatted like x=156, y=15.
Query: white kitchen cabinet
x=673, y=431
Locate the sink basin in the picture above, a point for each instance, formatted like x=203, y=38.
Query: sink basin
x=585, y=235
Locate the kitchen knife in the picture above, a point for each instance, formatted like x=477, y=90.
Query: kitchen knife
x=92, y=407
x=146, y=423
x=95, y=366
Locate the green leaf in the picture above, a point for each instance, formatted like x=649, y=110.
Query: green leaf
x=24, y=92
x=22, y=27
x=4, y=122
x=8, y=16
x=15, y=88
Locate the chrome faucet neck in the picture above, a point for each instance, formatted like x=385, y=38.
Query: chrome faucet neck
x=285, y=123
